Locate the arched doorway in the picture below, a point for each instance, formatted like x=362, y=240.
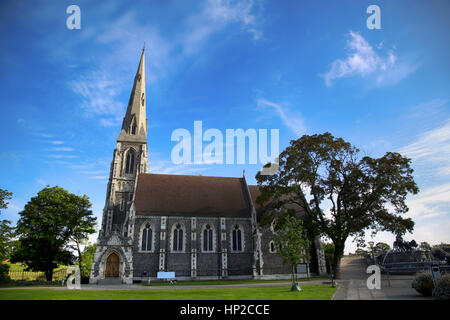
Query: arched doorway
x=112, y=266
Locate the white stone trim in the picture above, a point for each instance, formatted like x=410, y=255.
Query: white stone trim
x=163, y=222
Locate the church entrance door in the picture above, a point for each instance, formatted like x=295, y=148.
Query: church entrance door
x=112, y=265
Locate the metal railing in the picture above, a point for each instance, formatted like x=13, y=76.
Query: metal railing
x=57, y=276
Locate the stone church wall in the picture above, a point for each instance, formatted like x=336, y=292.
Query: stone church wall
x=272, y=262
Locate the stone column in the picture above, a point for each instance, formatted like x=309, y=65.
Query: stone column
x=193, y=247
x=223, y=241
x=162, y=246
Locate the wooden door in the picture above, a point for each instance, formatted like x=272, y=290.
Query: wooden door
x=112, y=265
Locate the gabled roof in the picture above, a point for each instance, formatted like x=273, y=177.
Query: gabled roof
x=184, y=195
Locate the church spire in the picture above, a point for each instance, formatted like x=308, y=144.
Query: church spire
x=134, y=125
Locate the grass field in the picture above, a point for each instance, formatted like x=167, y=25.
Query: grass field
x=309, y=292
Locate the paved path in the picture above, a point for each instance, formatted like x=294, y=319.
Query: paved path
x=172, y=287
x=352, y=284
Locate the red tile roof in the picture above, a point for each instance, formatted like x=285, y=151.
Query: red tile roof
x=183, y=195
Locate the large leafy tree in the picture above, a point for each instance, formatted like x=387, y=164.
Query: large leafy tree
x=48, y=223
x=363, y=192
x=6, y=231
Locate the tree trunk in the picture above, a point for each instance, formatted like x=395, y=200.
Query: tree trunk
x=79, y=256
x=293, y=275
x=338, y=253
x=49, y=274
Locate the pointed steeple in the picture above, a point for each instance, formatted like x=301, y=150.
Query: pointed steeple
x=134, y=126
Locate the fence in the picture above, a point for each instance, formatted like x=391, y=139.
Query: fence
x=58, y=275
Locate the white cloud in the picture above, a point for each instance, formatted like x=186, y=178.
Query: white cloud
x=100, y=93
x=62, y=156
x=290, y=120
x=364, y=61
x=62, y=149
x=216, y=15
x=429, y=203
x=57, y=142
x=98, y=177
x=430, y=154
x=433, y=145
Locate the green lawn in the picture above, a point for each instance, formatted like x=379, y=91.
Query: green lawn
x=309, y=292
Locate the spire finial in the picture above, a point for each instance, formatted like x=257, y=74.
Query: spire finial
x=143, y=49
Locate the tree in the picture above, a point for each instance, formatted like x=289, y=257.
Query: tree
x=47, y=224
x=328, y=249
x=291, y=242
x=363, y=192
x=88, y=258
x=425, y=246
x=6, y=236
x=360, y=252
x=81, y=223
x=382, y=247
x=6, y=231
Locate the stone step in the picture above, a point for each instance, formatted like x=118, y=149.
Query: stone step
x=115, y=280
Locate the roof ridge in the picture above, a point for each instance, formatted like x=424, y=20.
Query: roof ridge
x=189, y=175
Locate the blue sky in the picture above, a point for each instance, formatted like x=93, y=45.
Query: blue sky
x=302, y=67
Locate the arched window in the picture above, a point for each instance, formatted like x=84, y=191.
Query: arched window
x=272, y=247
x=237, y=238
x=129, y=165
x=133, y=126
x=178, y=238
x=146, y=238
x=143, y=99
x=208, y=239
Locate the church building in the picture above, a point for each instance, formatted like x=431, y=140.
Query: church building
x=200, y=227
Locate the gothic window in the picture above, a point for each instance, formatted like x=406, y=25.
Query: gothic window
x=146, y=244
x=142, y=99
x=129, y=166
x=208, y=239
x=272, y=247
x=237, y=238
x=133, y=128
x=178, y=238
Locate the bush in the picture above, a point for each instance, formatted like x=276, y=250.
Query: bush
x=423, y=283
x=442, y=290
x=4, y=269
